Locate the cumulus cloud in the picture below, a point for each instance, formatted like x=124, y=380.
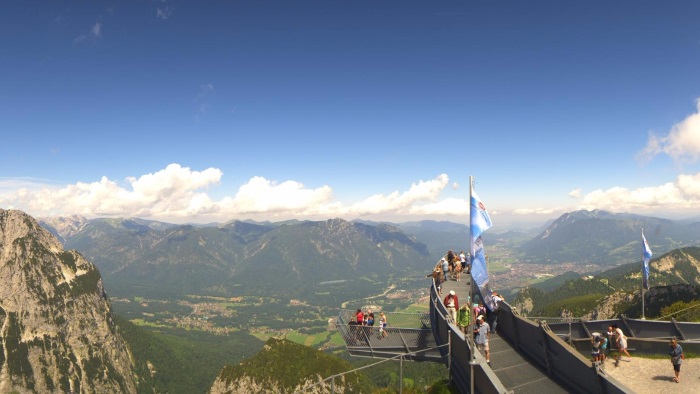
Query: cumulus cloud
x=682, y=143
x=397, y=202
x=179, y=194
x=682, y=194
x=576, y=193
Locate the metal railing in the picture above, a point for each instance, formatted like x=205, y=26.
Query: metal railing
x=328, y=385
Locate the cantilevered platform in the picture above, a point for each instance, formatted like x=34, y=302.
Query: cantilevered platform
x=406, y=333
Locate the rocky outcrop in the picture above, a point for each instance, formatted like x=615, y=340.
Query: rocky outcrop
x=286, y=367
x=56, y=327
x=610, y=306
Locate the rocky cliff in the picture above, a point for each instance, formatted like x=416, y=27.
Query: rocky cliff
x=56, y=329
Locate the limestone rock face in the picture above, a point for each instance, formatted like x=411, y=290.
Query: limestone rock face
x=56, y=327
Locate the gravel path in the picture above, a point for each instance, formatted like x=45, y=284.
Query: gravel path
x=653, y=376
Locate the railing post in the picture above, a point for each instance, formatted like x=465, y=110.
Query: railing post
x=449, y=356
x=545, y=346
x=678, y=328
x=401, y=374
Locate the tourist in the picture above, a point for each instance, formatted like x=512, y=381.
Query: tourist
x=360, y=317
x=464, y=319
x=494, y=313
x=463, y=261
x=604, y=348
x=676, y=352
x=596, y=343
x=452, y=304
x=445, y=269
x=621, y=343
x=478, y=309
x=482, y=337
x=382, y=326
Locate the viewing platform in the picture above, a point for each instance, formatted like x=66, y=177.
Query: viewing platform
x=527, y=355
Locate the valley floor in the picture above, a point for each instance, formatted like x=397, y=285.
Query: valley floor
x=652, y=376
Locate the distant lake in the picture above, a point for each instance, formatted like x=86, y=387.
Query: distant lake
x=333, y=281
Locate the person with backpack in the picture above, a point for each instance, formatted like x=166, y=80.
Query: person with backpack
x=676, y=352
x=494, y=313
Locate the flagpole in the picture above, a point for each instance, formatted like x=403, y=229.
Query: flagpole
x=643, y=318
x=471, y=287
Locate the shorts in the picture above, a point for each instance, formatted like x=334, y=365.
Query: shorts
x=483, y=346
x=623, y=343
x=677, y=367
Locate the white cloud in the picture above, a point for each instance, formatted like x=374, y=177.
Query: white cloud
x=397, y=202
x=179, y=194
x=682, y=143
x=576, y=193
x=683, y=194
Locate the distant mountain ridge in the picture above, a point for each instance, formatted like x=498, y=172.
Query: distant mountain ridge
x=607, y=238
x=256, y=258
x=673, y=276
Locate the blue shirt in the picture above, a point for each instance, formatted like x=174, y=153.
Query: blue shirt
x=482, y=335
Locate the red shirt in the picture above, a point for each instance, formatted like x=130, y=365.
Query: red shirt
x=455, y=300
x=359, y=317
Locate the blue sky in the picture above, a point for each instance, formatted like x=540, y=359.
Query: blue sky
x=189, y=111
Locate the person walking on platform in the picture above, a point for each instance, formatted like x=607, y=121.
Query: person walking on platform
x=464, y=319
x=676, y=352
x=621, y=343
x=482, y=332
x=452, y=304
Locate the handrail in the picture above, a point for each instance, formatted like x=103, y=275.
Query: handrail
x=333, y=377
x=676, y=312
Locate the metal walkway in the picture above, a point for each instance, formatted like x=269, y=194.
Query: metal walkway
x=516, y=372
x=512, y=368
x=526, y=355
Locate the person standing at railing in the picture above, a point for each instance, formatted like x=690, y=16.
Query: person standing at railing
x=382, y=326
x=497, y=298
x=445, y=269
x=452, y=304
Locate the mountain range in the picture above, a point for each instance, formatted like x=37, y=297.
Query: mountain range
x=673, y=276
x=607, y=238
x=297, y=258
x=323, y=262
x=155, y=259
